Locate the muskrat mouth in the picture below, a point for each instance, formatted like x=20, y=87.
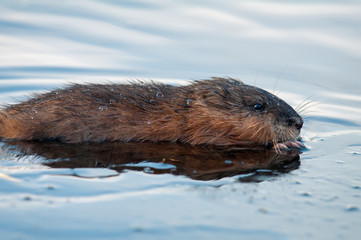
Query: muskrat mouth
x=287, y=140
x=288, y=145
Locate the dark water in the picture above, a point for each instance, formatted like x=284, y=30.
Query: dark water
x=303, y=51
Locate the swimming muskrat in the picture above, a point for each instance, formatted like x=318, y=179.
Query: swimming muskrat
x=218, y=111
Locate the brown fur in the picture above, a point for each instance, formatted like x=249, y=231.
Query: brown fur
x=216, y=112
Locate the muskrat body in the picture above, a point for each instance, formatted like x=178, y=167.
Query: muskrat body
x=216, y=112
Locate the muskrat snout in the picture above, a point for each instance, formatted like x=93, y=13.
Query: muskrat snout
x=295, y=121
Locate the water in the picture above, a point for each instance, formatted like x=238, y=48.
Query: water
x=300, y=50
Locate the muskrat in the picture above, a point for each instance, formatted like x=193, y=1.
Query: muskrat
x=218, y=111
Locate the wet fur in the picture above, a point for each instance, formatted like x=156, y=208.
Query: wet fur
x=217, y=112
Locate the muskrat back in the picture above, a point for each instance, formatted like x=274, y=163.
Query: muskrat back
x=218, y=111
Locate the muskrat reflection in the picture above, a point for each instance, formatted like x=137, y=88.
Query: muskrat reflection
x=196, y=162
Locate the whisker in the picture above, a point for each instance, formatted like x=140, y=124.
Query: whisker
x=256, y=77
x=259, y=130
x=306, y=113
x=307, y=108
x=276, y=147
x=291, y=134
x=301, y=103
x=306, y=117
x=309, y=105
x=279, y=75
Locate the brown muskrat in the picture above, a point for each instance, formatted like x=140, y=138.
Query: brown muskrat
x=218, y=111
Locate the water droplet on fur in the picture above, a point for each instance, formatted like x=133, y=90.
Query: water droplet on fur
x=189, y=101
x=151, y=101
x=101, y=108
x=159, y=94
x=149, y=122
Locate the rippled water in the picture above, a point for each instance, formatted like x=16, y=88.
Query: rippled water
x=303, y=51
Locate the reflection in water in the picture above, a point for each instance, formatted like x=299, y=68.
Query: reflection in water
x=196, y=162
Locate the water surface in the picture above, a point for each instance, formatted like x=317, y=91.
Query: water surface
x=302, y=51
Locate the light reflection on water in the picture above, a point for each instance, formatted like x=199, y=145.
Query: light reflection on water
x=185, y=40
x=305, y=51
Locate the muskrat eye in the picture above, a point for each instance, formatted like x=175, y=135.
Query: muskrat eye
x=258, y=107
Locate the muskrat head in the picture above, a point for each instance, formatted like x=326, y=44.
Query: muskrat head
x=283, y=122
x=241, y=114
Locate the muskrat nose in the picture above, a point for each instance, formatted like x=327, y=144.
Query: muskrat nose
x=296, y=121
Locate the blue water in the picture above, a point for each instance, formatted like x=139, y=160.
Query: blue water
x=302, y=51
